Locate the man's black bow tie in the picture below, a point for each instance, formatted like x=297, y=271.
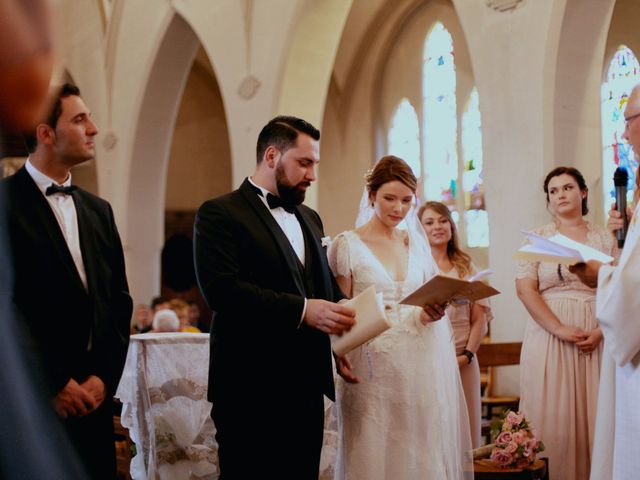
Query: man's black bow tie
x=53, y=188
x=275, y=202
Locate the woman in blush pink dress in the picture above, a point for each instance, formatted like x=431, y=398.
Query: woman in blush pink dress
x=469, y=320
x=562, y=346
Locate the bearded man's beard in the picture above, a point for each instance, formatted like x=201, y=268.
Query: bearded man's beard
x=291, y=195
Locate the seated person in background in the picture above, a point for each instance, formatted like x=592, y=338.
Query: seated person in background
x=165, y=321
x=195, y=316
x=182, y=310
x=159, y=303
x=142, y=318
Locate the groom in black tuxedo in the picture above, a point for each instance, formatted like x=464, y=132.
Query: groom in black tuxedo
x=263, y=270
x=70, y=289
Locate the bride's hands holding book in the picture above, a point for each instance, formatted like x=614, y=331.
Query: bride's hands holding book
x=431, y=313
x=345, y=369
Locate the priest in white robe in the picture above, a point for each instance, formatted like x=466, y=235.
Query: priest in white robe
x=616, y=449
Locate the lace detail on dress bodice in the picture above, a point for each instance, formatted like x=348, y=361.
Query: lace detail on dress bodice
x=349, y=256
x=406, y=417
x=549, y=280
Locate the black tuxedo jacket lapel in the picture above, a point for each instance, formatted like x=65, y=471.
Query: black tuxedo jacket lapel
x=86, y=230
x=36, y=207
x=289, y=255
x=314, y=235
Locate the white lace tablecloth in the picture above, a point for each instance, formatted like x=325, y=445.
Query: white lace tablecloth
x=163, y=391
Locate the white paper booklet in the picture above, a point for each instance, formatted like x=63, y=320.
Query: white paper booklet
x=480, y=275
x=371, y=321
x=558, y=249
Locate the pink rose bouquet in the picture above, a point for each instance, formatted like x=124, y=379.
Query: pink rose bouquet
x=514, y=442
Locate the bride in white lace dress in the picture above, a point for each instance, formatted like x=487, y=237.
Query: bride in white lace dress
x=400, y=405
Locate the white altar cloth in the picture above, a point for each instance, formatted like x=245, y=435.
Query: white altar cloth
x=163, y=391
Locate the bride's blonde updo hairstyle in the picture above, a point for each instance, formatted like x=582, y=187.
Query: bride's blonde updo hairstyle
x=389, y=169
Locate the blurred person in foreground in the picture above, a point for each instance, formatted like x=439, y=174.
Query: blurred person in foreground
x=32, y=444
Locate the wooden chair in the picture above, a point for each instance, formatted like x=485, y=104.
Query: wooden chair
x=123, y=449
x=491, y=355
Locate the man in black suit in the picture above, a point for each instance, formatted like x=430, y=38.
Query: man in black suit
x=262, y=269
x=70, y=288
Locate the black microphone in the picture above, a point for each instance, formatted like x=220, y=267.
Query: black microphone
x=620, y=180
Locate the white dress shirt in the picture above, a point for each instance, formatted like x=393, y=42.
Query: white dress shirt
x=65, y=212
x=289, y=225
x=287, y=221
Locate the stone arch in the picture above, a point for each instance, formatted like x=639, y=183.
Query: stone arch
x=357, y=117
x=350, y=129
x=576, y=128
x=307, y=74
x=151, y=149
x=308, y=70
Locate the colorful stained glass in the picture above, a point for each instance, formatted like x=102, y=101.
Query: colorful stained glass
x=622, y=76
x=437, y=146
x=403, y=139
x=440, y=122
x=476, y=218
x=477, y=225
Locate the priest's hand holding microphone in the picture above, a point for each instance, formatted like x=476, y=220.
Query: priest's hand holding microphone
x=619, y=214
x=617, y=224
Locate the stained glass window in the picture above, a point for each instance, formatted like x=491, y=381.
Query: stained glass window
x=403, y=139
x=430, y=144
x=623, y=74
x=440, y=121
x=476, y=218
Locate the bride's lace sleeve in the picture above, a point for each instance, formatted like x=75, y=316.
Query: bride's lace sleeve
x=339, y=257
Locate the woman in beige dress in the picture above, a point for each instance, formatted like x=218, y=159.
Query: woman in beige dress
x=469, y=320
x=562, y=346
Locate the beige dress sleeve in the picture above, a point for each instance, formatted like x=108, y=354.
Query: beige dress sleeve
x=485, y=302
x=526, y=269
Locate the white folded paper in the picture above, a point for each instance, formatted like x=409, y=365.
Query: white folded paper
x=481, y=275
x=558, y=249
x=371, y=321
